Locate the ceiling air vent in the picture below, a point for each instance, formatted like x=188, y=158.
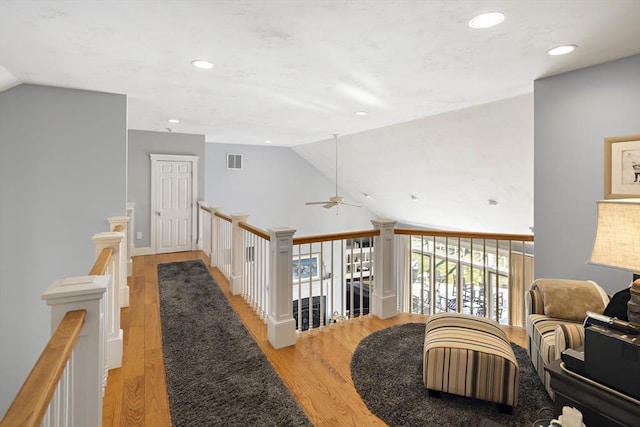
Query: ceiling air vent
x=234, y=161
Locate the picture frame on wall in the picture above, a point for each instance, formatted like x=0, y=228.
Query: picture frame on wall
x=305, y=267
x=622, y=167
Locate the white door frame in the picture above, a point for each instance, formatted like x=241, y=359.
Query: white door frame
x=155, y=159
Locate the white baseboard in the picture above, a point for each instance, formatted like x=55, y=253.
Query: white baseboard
x=124, y=296
x=144, y=251
x=114, y=351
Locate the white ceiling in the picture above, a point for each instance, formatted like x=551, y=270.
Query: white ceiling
x=295, y=71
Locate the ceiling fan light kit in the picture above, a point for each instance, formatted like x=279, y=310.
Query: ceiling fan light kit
x=335, y=200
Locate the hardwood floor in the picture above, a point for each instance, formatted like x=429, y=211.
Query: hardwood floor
x=316, y=369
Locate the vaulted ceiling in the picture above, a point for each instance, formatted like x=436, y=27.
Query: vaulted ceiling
x=294, y=72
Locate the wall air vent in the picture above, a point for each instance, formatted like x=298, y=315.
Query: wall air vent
x=234, y=161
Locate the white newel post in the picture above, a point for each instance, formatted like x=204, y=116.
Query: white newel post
x=237, y=253
x=215, y=235
x=281, y=326
x=131, y=209
x=201, y=205
x=385, y=302
x=122, y=221
x=87, y=366
x=114, y=334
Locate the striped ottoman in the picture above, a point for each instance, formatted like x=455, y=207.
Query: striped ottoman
x=470, y=356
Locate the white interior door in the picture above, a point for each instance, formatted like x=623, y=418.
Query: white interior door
x=173, y=210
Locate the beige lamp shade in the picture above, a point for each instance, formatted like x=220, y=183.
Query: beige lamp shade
x=617, y=242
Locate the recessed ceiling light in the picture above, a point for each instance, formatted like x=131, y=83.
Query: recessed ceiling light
x=562, y=50
x=367, y=195
x=268, y=141
x=486, y=20
x=202, y=63
x=360, y=113
x=174, y=121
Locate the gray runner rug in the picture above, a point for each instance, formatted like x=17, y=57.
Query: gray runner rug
x=216, y=373
x=386, y=368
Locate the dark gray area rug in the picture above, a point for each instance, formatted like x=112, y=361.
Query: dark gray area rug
x=386, y=368
x=216, y=373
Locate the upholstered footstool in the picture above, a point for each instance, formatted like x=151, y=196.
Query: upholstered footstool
x=470, y=356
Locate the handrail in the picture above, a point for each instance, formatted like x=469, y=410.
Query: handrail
x=424, y=270
x=255, y=230
x=48, y=394
x=102, y=262
x=335, y=236
x=31, y=402
x=464, y=234
x=223, y=216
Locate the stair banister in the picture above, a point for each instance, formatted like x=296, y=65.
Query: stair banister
x=114, y=241
x=121, y=224
x=385, y=300
x=237, y=254
x=215, y=237
x=87, y=366
x=281, y=326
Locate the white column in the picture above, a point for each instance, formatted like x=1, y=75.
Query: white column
x=131, y=208
x=385, y=302
x=281, y=326
x=215, y=236
x=88, y=370
x=122, y=221
x=237, y=253
x=114, y=334
x=201, y=204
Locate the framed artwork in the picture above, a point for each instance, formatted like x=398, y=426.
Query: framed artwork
x=305, y=267
x=622, y=167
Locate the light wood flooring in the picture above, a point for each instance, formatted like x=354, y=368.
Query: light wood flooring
x=316, y=369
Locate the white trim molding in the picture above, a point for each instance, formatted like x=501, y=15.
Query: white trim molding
x=147, y=250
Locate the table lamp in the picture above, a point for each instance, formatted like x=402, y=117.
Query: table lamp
x=617, y=243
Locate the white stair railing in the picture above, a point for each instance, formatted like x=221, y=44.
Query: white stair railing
x=221, y=242
x=66, y=385
x=338, y=277
x=281, y=328
x=237, y=253
x=256, y=269
x=79, y=397
x=117, y=269
x=121, y=224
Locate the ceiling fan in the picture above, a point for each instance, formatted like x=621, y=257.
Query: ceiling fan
x=335, y=200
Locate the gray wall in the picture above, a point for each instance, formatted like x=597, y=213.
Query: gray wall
x=62, y=174
x=141, y=145
x=574, y=112
x=272, y=188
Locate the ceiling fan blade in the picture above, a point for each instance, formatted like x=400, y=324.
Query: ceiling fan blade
x=356, y=204
x=329, y=205
x=317, y=203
